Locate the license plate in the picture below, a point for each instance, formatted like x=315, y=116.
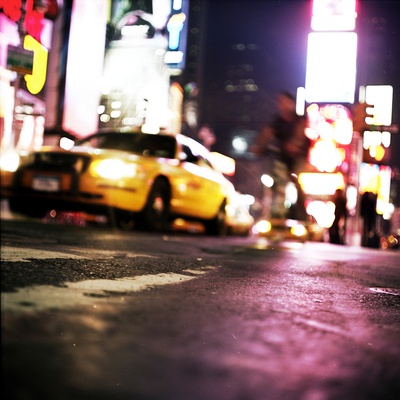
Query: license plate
x=46, y=183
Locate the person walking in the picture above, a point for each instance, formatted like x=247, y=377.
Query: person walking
x=369, y=237
x=285, y=138
x=338, y=228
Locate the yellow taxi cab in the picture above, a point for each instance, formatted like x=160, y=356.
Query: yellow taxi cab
x=139, y=180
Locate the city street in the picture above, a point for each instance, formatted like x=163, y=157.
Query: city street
x=89, y=312
x=200, y=200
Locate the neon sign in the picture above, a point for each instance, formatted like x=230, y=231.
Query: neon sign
x=36, y=81
x=33, y=19
x=177, y=35
x=175, y=26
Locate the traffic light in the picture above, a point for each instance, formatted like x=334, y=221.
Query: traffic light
x=362, y=117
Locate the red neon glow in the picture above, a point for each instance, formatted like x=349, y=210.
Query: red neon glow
x=11, y=8
x=33, y=20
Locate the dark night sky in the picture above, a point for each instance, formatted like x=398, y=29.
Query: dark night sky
x=280, y=28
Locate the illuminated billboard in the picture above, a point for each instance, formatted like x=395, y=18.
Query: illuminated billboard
x=334, y=15
x=381, y=98
x=376, y=179
x=85, y=66
x=331, y=67
x=146, y=49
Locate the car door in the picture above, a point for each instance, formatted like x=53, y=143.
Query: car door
x=199, y=187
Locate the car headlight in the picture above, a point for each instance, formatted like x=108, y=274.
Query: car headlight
x=9, y=161
x=113, y=169
x=263, y=226
x=298, y=230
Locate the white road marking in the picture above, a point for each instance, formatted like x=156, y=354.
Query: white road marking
x=89, y=292
x=23, y=254
x=93, y=292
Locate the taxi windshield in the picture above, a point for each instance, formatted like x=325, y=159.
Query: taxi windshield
x=138, y=143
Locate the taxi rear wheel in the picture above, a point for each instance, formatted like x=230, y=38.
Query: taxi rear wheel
x=217, y=225
x=156, y=213
x=29, y=208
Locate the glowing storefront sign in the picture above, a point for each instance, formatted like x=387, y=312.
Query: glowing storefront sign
x=331, y=67
x=376, y=179
x=325, y=156
x=334, y=15
x=36, y=80
x=136, y=91
x=175, y=26
x=330, y=130
x=177, y=36
x=332, y=122
x=314, y=183
x=381, y=98
x=376, y=143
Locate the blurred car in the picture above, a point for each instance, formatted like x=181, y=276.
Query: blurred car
x=138, y=180
x=280, y=229
x=239, y=220
x=316, y=232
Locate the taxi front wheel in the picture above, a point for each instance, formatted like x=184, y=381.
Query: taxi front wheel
x=217, y=226
x=156, y=213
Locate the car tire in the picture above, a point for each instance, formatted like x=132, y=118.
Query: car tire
x=156, y=213
x=125, y=220
x=217, y=226
x=20, y=206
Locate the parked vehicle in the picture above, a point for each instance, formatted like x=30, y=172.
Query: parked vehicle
x=279, y=229
x=239, y=220
x=138, y=180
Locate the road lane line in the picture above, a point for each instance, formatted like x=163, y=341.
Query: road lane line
x=24, y=254
x=89, y=292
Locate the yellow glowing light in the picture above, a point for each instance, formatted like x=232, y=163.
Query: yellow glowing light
x=298, y=230
x=113, y=169
x=379, y=153
x=325, y=156
x=36, y=81
x=263, y=226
